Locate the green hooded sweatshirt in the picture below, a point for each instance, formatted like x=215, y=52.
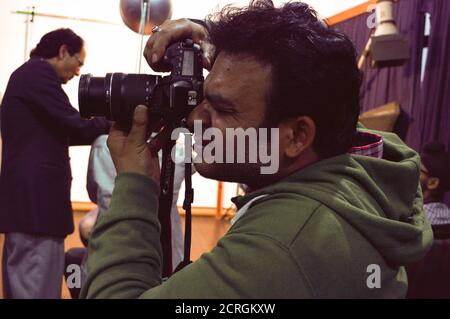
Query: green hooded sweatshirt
x=343, y=227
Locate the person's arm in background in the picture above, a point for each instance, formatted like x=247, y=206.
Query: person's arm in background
x=176, y=221
x=99, y=185
x=101, y=174
x=49, y=101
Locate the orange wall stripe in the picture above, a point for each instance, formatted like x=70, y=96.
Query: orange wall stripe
x=350, y=13
x=83, y=206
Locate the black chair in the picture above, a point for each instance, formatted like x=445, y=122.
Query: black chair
x=430, y=278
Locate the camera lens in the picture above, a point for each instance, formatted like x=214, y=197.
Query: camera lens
x=92, y=99
x=115, y=96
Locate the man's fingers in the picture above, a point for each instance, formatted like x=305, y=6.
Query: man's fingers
x=208, y=54
x=154, y=52
x=138, y=133
x=171, y=31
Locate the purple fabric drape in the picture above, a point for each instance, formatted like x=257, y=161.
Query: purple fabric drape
x=435, y=111
x=435, y=98
x=401, y=84
x=425, y=106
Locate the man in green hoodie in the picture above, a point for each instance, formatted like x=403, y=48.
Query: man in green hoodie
x=340, y=217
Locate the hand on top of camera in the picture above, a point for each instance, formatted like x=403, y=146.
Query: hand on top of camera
x=130, y=151
x=177, y=30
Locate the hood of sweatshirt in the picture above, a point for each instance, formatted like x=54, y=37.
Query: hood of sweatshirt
x=381, y=198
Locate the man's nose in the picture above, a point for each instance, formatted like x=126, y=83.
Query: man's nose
x=200, y=113
x=77, y=72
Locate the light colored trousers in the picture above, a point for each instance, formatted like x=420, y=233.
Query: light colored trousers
x=32, y=266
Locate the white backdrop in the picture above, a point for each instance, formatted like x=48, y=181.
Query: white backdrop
x=110, y=47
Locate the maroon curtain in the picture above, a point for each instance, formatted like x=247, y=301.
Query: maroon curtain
x=381, y=86
x=435, y=98
x=434, y=113
x=425, y=106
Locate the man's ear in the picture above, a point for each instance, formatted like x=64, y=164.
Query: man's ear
x=62, y=52
x=297, y=135
x=433, y=183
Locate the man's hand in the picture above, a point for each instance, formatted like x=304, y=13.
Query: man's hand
x=173, y=31
x=130, y=151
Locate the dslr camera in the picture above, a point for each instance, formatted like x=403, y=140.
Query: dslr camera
x=170, y=98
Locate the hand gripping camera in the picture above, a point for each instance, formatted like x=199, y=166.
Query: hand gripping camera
x=170, y=98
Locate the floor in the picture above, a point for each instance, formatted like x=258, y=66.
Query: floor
x=205, y=233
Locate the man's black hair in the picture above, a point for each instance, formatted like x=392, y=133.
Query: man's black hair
x=437, y=161
x=48, y=46
x=314, y=67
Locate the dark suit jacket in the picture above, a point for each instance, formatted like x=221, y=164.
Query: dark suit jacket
x=38, y=124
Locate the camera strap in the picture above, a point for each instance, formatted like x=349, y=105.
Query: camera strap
x=165, y=208
x=188, y=199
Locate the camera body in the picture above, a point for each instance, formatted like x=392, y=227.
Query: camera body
x=170, y=98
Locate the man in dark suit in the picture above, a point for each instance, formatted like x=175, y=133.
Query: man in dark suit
x=38, y=124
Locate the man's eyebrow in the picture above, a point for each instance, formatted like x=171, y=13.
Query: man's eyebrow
x=219, y=99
